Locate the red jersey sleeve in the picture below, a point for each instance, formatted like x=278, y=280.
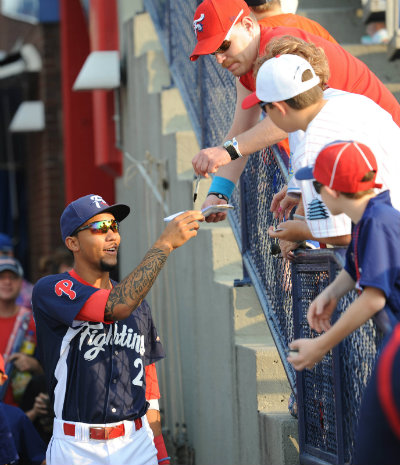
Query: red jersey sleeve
x=93, y=310
x=152, y=387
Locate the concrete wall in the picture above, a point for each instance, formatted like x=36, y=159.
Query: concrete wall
x=192, y=312
x=216, y=373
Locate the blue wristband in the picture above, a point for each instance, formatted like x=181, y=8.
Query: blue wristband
x=222, y=185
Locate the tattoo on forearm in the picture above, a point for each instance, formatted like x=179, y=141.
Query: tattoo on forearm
x=133, y=289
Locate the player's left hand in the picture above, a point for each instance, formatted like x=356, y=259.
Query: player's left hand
x=24, y=362
x=309, y=353
x=209, y=160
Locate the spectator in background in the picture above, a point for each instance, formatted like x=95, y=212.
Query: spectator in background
x=7, y=250
x=58, y=262
x=19, y=441
x=17, y=332
x=270, y=13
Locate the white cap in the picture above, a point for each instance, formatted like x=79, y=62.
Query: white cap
x=280, y=78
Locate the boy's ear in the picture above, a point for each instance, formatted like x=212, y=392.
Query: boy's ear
x=281, y=107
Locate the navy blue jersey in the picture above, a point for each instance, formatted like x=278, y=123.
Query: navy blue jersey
x=376, y=239
x=94, y=370
x=26, y=440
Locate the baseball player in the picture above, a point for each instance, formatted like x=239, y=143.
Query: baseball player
x=95, y=338
x=228, y=30
x=298, y=103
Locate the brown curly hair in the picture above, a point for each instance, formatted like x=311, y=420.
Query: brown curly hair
x=296, y=46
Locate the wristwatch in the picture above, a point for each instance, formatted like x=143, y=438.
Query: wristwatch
x=219, y=195
x=232, y=147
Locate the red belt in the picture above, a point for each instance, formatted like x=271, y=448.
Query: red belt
x=102, y=432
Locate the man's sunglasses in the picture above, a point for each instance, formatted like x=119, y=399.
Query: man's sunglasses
x=317, y=186
x=101, y=227
x=223, y=47
x=263, y=106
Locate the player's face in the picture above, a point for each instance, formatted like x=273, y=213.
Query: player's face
x=242, y=52
x=10, y=285
x=99, y=250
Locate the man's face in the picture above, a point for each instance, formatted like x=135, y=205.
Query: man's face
x=98, y=250
x=242, y=52
x=10, y=285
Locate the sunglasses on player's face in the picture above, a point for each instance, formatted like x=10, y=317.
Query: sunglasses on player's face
x=223, y=47
x=101, y=227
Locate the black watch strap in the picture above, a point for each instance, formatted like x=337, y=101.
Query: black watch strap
x=232, y=151
x=220, y=196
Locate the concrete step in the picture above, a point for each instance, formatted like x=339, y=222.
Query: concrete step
x=306, y=4
x=375, y=57
x=262, y=386
x=280, y=439
x=344, y=23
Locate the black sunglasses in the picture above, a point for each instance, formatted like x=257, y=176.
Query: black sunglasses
x=223, y=47
x=317, y=186
x=263, y=106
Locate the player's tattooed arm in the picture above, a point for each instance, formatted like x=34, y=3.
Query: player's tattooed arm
x=128, y=294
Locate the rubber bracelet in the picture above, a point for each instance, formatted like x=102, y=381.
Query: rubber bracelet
x=222, y=185
x=219, y=195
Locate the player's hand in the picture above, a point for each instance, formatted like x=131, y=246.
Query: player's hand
x=214, y=217
x=310, y=352
x=24, y=362
x=182, y=228
x=209, y=160
x=320, y=312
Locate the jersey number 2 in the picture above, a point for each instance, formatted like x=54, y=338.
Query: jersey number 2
x=138, y=381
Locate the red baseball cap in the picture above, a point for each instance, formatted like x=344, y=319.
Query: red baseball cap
x=341, y=165
x=213, y=21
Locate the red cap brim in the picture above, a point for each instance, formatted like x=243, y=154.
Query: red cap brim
x=207, y=46
x=250, y=101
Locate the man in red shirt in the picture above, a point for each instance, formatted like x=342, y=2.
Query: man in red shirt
x=228, y=29
x=17, y=328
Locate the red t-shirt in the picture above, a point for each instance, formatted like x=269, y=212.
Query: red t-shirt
x=301, y=22
x=6, y=327
x=348, y=73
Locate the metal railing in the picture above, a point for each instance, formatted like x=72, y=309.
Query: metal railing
x=329, y=395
